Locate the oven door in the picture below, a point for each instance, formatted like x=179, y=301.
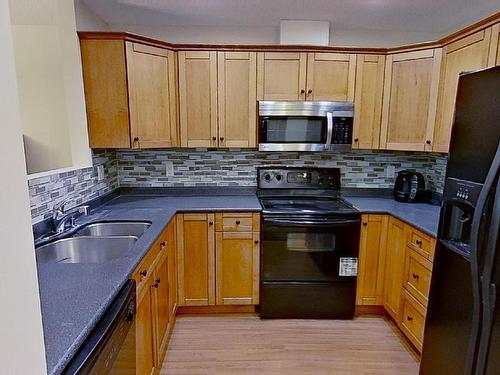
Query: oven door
x=309, y=249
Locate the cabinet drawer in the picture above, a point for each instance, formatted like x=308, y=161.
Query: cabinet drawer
x=145, y=268
x=412, y=319
x=417, y=279
x=237, y=222
x=421, y=242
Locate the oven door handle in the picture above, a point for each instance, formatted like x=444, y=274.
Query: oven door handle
x=329, y=130
x=302, y=223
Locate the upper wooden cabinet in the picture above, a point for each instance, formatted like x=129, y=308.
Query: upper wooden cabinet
x=217, y=95
x=237, y=98
x=305, y=76
x=495, y=45
x=368, y=101
x=410, y=99
x=469, y=53
x=130, y=92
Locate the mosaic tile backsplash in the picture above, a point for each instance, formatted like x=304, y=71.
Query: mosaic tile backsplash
x=202, y=167
x=81, y=185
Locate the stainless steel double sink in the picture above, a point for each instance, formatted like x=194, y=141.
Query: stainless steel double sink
x=94, y=243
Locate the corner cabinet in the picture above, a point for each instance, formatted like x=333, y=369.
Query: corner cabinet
x=305, y=76
x=410, y=100
x=217, y=99
x=218, y=258
x=467, y=54
x=130, y=94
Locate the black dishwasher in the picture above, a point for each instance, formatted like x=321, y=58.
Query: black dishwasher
x=110, y=347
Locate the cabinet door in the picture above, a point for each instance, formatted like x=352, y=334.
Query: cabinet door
x=237, y=268
x=106, y=94
x=144, y=323
x=466, y=54
x=410, y=99
x=368, y=101
x=372, y=248
x=152, y=96
x=198, y=98
x=196, y=256
x=172, y=268
x=495, y=45
x=161, y=306
x=330, y=76
x=237, y=98
x=394, y=270
x=281, y=75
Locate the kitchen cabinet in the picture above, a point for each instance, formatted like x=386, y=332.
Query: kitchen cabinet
x=368, y=101
x=198, y=98
x=196, y=259
x=412, y=320
x=495, y=45
x=237, y=99
x=145, y=335
x=409, y=100
x=161, y=304
x=305, y=76
x=417, y=276
x=218, y=259
x=394, y=268
x=466, y=54
x=130, y=93
x=217, y=94
x=370, y=285
x=171, y=245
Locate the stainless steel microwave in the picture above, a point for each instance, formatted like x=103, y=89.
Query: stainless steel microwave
x=305, y=126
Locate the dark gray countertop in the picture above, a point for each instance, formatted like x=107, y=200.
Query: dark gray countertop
x=421, y=215
x=75, y=296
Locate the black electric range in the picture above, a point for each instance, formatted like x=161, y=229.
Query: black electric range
x=310, y=241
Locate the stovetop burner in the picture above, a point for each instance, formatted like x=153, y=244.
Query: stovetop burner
x=308, y=206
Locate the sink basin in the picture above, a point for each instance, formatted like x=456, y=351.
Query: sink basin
x=114, y=228
x=85, y=249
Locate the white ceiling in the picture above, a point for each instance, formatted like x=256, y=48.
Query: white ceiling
x=427, y=17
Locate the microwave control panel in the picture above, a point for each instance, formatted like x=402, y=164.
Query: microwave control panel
x=342, y=130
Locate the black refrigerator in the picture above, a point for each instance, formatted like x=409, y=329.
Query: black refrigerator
x=462, y=331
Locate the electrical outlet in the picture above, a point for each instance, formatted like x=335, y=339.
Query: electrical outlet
x=169, y=168
x=390, y=171
x=100, y=172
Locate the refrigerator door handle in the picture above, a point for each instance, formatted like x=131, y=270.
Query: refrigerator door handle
x=488, y=287
x=470, y=364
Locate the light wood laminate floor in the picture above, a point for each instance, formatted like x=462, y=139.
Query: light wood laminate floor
x=247, y=345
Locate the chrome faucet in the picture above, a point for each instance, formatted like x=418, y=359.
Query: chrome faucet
x=61, y=217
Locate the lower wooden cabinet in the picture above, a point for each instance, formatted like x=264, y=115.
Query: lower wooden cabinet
x=372, y=248
x=412, y=319
x=396, y=244
x=156, y=297
x=218, y=259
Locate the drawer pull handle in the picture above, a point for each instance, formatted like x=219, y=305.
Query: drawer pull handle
x=163, y=245
x=415, y=276
x=238, y=222
x=419, y=243
x=156, y=283
x=409, y=318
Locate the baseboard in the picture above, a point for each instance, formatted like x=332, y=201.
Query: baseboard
x=232, y=309
x=370, y=310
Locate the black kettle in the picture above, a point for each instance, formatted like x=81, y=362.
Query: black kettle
x=409, y=186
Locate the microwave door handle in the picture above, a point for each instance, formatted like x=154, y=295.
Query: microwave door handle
x=329, y=130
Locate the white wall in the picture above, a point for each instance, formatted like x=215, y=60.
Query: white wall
x=21, y=336
x=50, y=82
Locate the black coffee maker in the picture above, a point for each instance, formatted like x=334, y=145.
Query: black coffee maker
x=409, y=186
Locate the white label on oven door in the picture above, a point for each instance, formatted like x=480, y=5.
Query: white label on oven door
x=348, y=266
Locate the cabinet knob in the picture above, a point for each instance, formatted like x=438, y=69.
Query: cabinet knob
x=256, y=242
x=409, y=318
x=144, y=273
x=356, y=140
x=419, y=243
x=302, y=91
x=428, y=141
x=238, y=222
x=221, y=139
x=309, y=91
x=210, y=223
x=156, y=284
x=415, y=276
x=365, y=223
x=163, y=245
x=214, y=138
x=136, y=139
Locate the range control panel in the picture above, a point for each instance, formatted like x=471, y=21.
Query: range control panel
x=298, y=177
